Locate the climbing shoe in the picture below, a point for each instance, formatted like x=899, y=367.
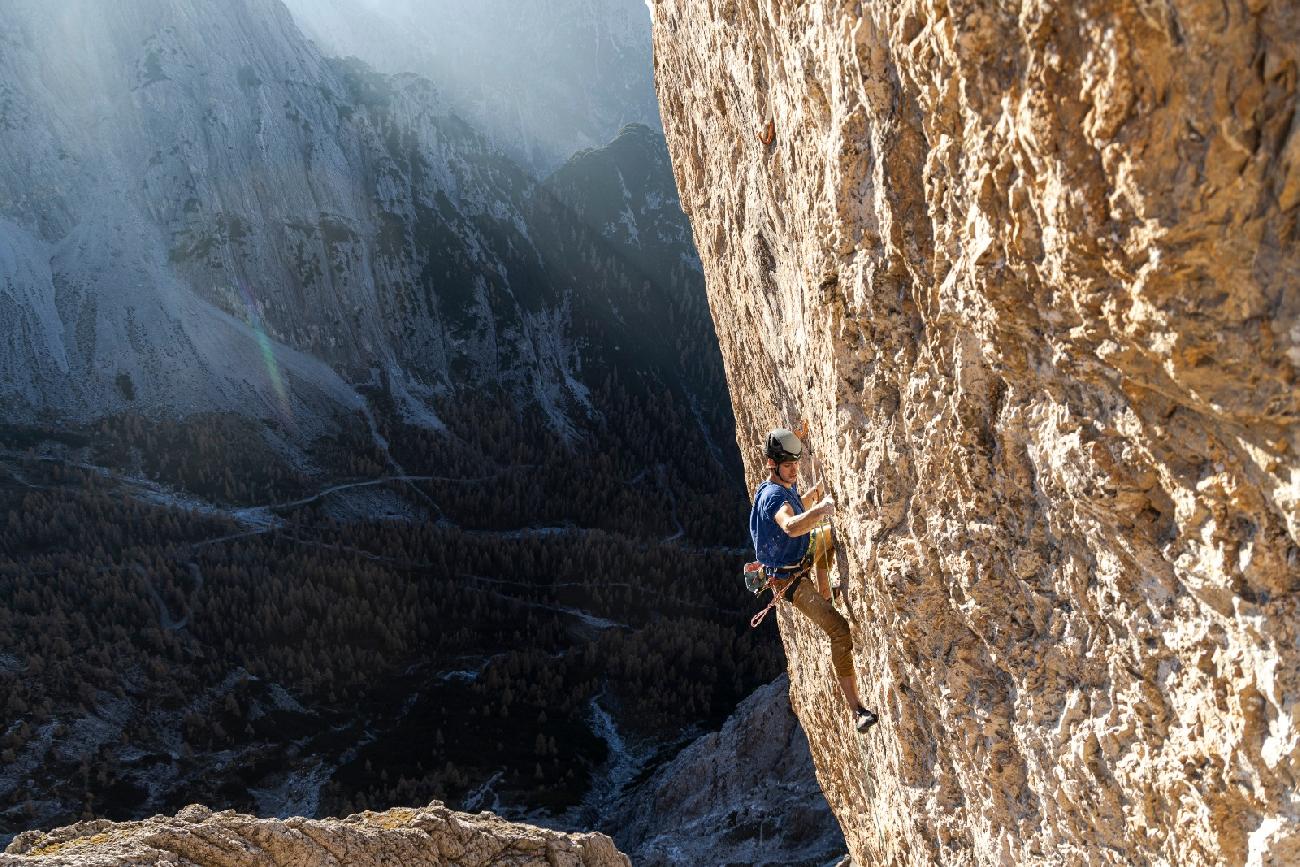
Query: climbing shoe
x=864, y=719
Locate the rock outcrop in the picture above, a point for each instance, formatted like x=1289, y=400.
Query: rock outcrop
x=198, y=836
x=1030, y=271
x=742, y=795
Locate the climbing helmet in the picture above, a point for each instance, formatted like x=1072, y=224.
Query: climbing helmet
x=783, y=445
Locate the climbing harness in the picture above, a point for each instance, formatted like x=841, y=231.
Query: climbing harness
x=757, y=575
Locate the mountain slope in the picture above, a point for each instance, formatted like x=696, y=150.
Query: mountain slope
x=226, y=206
x=610, y=220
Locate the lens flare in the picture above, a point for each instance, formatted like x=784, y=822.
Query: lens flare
x=282, y=408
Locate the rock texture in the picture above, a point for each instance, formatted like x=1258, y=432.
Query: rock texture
x=1030, y=271
x=742, y=795
x=198, y=836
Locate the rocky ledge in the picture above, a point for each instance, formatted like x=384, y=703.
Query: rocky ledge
x=197, y=836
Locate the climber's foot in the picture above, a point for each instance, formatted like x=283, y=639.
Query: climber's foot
x=864, y=719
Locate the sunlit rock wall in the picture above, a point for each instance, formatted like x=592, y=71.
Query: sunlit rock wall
x=198, y=836
x=1030, y=272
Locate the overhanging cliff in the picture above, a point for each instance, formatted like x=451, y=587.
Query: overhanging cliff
x=1030, y=272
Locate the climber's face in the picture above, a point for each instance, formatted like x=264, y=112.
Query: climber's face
x=788, y=472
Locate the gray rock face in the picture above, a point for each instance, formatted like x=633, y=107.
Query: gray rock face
x=198, y=836
x=634, y=242
x=541, y=79
x=1031, y=273
x=743, y=795
x=200, y=212
x=624, y=192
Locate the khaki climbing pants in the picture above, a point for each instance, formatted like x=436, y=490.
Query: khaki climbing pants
x=819, y=610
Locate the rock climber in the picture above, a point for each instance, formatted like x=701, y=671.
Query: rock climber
x=782, y=524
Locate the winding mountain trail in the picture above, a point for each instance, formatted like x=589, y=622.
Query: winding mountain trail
x=588, y=619
x=166, y=620
x=260, y=520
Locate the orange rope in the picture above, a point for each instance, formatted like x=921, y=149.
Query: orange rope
x=776, y=597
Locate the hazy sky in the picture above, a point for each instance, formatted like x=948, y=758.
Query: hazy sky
x=543, y=78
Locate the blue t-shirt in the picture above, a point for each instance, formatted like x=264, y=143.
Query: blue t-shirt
x=772, y=547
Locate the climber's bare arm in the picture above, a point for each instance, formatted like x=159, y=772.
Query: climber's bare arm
x=802, y=525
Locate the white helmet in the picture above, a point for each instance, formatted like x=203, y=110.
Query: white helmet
x=783, y=445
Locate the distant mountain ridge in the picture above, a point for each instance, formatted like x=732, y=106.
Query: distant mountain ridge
x=541, y=79
x=625, y=192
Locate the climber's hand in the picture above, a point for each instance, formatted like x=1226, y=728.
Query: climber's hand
x=826, y=507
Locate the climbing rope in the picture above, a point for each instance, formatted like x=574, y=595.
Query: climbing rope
x=777, y=595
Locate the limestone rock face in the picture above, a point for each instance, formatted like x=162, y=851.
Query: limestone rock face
x=198, y=836
x=1030, y=272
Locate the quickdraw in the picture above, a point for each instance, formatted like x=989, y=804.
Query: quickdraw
x=777, y=596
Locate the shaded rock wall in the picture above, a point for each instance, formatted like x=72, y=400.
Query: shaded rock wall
x=196, y=835
x=743, y=795
x=1030, y=271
